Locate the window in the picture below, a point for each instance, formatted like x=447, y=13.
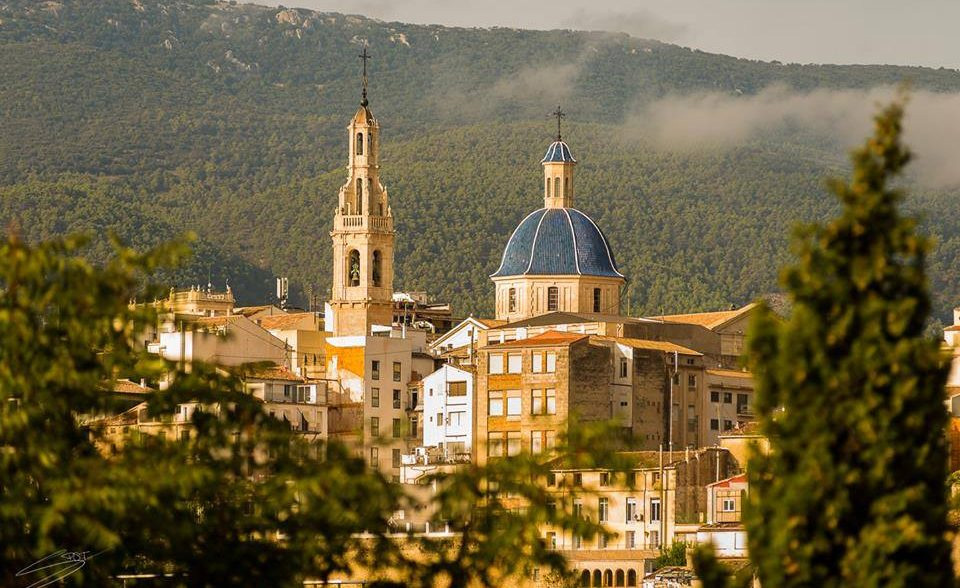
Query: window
x=692, y=381
x=513, y=403
x=714, y=424
x=536, y=441
x=551, y=395
x=185, y=435
x=396, y=399
x=578, y=479
x=374, y=455
x=602, y=544
x=353, y=268
x=596, y=300
x=578, y=508
x=743, y=403
x=551, y=479
x=514, y=363
x=553, y=297
x=359, y=196
x=548, y=187
x=654, y=510
x=623, y=367
x=396, y=428
x=604, y=478
x=536, y=402
x=631, y=539
x=551, y=362
x=603, y=506
x=513, y=443
x=551, y=540
x=396, y=371
x=536, y=362
x=566, y=186
x=495, y=406
x=395, y=458
x=456, y=419
x=727, y=425
x=714, y=397
x=631, y=512
x=727, y=397
x=654, y=539
x=439, y=420
x=377, y=268
x=496, y=363
x=551, y=438
x=729, y=505
x=413, y=427
x=375, y=397
x=577, y=544
x=456, y=388
x=375, y=369
x=556, y=186
x=414, y=398
x=359, y=143
x=512, y=300
x=374, y=426
x=495, y=444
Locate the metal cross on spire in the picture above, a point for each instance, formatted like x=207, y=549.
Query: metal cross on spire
x=364, y=56
x=559, y=114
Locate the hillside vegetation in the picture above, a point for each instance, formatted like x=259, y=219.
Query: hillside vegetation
x=150, y=118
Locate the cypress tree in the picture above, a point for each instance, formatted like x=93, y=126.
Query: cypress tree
x=850, y=394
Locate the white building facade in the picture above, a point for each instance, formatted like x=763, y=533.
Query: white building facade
x=448, y=411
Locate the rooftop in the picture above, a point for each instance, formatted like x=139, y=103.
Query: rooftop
x=647, y=344
x=284, y=321
x=276, y=372
x=709, y=320
x=549, y=338
x=558, y=152
x=730, y=373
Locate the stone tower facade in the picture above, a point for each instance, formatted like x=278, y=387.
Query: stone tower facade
x=363, y=236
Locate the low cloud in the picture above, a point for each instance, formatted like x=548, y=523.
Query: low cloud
x=638, y=23
x=717, y=120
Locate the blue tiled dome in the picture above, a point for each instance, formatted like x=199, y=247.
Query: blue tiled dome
x=558, y=151
x=557, y=241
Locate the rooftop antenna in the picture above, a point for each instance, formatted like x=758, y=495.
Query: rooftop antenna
x=560, y=115
x=364, y=57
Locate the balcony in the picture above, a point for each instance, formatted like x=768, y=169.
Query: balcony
x=359, y=221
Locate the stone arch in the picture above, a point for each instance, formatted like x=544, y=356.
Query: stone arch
x=619, y=578
x=556, y=186
x=353, y=268
x=548, y=188
x=359, y=196
x=377, y=269
x=608, y=578
x=359, y=143
x=631, y=577
x=597, y=578
x=585, y=578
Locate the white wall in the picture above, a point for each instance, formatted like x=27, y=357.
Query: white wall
x=447, y=419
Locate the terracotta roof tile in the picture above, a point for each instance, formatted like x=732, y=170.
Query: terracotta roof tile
x=709, y=320
x=126, y=386
x=546, y=338
x=490, y=323
x=283, y=321
x=647, y=344
x=275, y=373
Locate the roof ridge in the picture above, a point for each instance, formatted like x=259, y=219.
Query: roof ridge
x=533, y=246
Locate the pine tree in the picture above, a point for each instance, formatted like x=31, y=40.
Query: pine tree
x=850, y=394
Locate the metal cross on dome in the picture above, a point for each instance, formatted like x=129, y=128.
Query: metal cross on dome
x=559, y=114
x=364, y=57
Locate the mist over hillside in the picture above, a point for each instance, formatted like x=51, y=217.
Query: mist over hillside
x=153, y=118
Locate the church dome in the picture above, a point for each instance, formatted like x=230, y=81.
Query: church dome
x=557, y=241
x=558, y=152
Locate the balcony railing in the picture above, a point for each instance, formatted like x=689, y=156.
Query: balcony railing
x=359, y=221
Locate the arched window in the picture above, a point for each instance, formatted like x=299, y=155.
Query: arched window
x=380, y=208
x=512, y=300
x=631, y=577
x=608, y=578
x=556, y=187
x=548, y=187
x=359, y=196
x=619, y=578
x=353, y=268
x=359, y=143
x=585, y=578
x=377, y=267
x=597, y=578
x=566, y=186
x=553, y=298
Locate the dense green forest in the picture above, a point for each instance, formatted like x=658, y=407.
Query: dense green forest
x=150, y=118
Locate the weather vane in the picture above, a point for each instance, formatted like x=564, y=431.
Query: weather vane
x=559, y=114
x=364, y=56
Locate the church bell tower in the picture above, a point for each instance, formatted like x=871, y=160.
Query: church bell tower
x=363, y=235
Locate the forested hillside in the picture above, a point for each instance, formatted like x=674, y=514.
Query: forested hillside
x=152, y=118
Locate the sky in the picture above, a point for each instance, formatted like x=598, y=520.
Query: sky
x=902, y=32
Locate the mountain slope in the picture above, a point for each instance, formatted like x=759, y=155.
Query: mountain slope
x=150, y=118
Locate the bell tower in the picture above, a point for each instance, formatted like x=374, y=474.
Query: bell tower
x=558, y=166
x=363, y=235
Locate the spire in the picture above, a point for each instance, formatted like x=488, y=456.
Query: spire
x=364, y=57
x=560, y=115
